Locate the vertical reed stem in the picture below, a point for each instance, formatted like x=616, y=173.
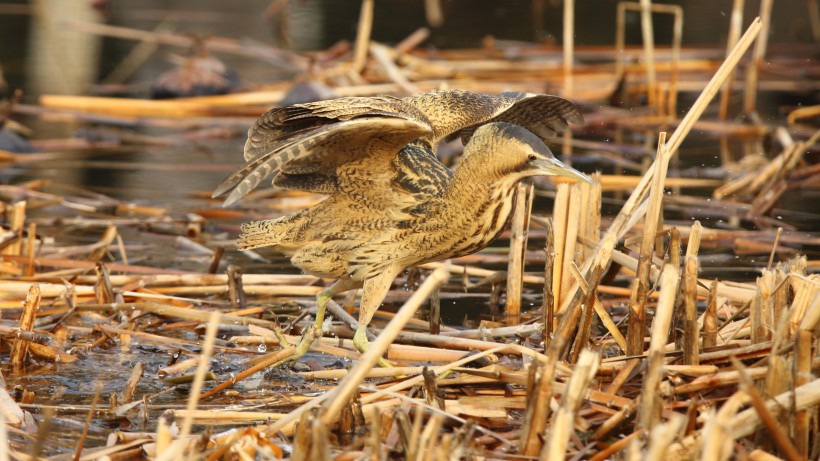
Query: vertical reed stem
x=649, y=50
x=363, y=35
x=637, y=314
x=518, y=248
x=753, y=72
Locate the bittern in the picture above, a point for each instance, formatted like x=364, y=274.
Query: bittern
x=391, y=204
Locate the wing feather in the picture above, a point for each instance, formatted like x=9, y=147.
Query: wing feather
x=458, y=113
x=320, y=149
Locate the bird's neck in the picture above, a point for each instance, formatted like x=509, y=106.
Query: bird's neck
x=485, y=202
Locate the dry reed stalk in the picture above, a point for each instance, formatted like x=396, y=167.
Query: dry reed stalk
x=394, y=372
x=571, y=400
x=255, y=290
x=590, y=226
x=651, y=402
x=91, y=412
x=106, y=239
x=583, y=334
x=166, y=310
x=138, y=107
x=691, y=337
x=459, y=270
x=384, y=57
x=710, y=325
x=610, y=325
x=548, y=304
x=4, y=436
x=130, y=387
x=363, y=35
x=774, y=247
x=574, y=208
x=88, y=265
x=378, y=347
x=164, y=437
x=760, y=455
x=269, y=359
x=663, y=435
x=538, y=404
x=637, y=306
x=412, y=41
x=753, y=71
x=805, y=303
x=498, y=332
x=674, y=247
x=617, y=446
x=740, y=293
x=735, y=22
x=31, y=246
x=178, y=368
x=518, y=248
x=778, y=376
x=802, y=375
x=17, y=220
x=174, y=451
x=716, y=442
x=614, y=183
x=276, y=56
x=803, y=112
x=17, y=355
x=801, y=398
x=568, y=46
x=287, y=423
x=211, y=417
x=560, y=220
x=648, y=36
x=761, y=311
x=160, y=279
x=773, y=426
x=442, y=370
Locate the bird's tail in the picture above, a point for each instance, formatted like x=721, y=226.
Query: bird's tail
x=269, y=232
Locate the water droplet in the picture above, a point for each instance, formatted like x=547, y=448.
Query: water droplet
x=262, y=347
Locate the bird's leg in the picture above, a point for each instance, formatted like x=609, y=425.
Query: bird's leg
x=375, y=289
x=315, y=331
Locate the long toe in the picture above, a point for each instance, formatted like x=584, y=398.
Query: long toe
x=308, y=337
x=361, y=343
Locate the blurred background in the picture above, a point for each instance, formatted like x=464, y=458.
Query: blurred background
x=44, y=49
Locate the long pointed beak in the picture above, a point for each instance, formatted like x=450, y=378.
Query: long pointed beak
x=553, y=167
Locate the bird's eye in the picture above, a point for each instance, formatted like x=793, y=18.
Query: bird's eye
x=531, y=157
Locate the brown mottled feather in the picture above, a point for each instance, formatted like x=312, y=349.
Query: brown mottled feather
x=375, y=159
x=391, y=203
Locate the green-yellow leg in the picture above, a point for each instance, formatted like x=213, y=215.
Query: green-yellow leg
x=375, y=289
x=315, y=331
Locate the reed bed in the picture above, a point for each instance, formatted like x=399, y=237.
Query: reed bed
x=612, y=342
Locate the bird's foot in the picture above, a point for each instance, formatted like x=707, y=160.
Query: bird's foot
x=361, y=343
x=308, y=336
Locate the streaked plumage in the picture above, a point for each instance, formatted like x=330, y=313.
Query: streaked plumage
x=391, y=203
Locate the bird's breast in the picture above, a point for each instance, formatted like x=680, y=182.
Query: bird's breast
x=475, y=223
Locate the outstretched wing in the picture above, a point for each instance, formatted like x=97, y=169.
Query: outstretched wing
x=458, y=113
x=303, y=145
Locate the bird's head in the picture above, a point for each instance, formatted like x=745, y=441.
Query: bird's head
x=512, y=152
